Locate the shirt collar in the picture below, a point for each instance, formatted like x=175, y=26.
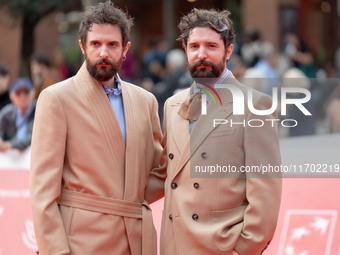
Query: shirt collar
x=28, y=112
x=114, y=91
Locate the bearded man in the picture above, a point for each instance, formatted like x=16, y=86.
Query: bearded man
x=213, y=204
x=95, y=140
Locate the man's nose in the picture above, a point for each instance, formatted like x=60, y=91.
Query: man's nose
x=202, y=54
x=103, y=52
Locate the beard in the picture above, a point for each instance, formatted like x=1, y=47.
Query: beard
x=213, y=72
x=103, y=73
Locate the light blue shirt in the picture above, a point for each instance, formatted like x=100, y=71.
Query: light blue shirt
x=21, y=123
x=196, y=90
x=116, y=100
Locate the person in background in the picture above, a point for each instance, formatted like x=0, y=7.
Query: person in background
x=128, y=71
x=177, y=78
x=41, y=71
x=295, y=78
x=299, y=55
x=153, y=71
x=4, y=82
x=252, y=47
x=266, y=65
x=60, y=68
x=16, y=119
x=157, y=50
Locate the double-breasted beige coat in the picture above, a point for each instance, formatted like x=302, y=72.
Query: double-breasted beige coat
x=214, y=214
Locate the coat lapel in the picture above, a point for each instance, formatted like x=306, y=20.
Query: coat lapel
x=96, y=97
x=179, y=126
x=204, y=125
x=131, y=129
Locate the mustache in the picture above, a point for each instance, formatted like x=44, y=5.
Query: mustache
x=202, y=62
x=104, y=61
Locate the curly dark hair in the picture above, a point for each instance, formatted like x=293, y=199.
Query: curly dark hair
x=105, y=13
x=219, y=21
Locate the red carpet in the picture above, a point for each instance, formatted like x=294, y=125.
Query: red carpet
x=309, y=223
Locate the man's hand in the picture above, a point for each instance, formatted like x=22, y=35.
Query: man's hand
x=234, y=253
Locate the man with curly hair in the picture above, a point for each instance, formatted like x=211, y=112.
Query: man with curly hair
x=209, y=210
x=95, y=140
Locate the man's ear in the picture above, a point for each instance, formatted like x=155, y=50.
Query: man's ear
x=81, y=47
x=229, y=51
x=126, y=48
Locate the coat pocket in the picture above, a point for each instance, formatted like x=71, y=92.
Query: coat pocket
x=68, y=215
x=226, y=227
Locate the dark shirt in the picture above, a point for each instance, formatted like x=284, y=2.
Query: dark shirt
x=4, y=99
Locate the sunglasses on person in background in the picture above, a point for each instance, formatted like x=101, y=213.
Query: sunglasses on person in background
x=22, y=92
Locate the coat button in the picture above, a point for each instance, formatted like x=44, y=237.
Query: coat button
x=170, y=217
x=171, y=156
x=195, y=216
x=174, y=185
x=196, y=185
x=204, y=155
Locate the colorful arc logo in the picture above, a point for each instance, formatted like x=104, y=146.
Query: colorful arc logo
x=213, y=90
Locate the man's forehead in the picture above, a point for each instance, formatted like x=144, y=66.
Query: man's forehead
x=105, y=30
x=204, y=34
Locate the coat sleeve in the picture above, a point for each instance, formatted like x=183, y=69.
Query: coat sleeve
x=155, y=186
x=263, y=190
x=47, y=161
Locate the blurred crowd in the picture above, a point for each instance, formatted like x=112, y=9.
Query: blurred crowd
x=259, y=65
x=163, y=72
